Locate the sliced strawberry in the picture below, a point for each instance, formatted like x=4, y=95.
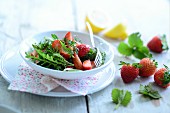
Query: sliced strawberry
x=87, y=65
x=64, y=54
x=83, y=49
x=68, y=36
x=56, y=44
x=77, y=62
x=34, y=53
x=93, y=64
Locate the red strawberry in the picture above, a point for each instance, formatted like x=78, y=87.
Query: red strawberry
x=68, y=36
x=87, y=65
x=148, y=67
x=93, y=64
x=83, y=49
x=64, y=54
x=162, y=77
x=158, y=44
x=77, y=62
x=56, y=44
x=129, y=71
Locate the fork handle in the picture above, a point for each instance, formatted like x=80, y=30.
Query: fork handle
x=91, y=33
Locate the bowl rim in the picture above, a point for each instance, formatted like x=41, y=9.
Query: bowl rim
x=58, y=71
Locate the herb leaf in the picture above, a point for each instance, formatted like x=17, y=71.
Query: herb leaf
x=124, y=49
x=148, y=91
x=54, y=36
x=126, y=98
x=134, y=40
x=139, y=54
x=121, y=97
x=134, y=47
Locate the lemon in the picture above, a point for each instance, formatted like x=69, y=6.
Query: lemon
x=117, y=32
x=97, y=19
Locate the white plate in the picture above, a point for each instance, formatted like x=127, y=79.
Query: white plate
x=10, y=61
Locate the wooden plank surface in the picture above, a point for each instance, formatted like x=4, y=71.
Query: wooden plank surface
x=139, y=16
x=20, y=19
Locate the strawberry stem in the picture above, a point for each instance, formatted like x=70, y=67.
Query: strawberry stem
x=137, y=65
x=164, y=42
x=166, y=78
x=124, y=63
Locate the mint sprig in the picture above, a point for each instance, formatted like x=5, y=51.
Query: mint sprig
x=148, y=91
x=134, y=47
x=121, y=97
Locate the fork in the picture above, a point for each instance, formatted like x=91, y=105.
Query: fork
x=98, y=58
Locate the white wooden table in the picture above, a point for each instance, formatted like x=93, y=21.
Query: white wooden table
x=22, y=18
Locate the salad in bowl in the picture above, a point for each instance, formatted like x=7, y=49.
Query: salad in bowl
x=65, y=55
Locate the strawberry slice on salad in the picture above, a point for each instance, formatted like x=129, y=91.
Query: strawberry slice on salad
x=77, y=62
x=68, y=40
x=68, y=36
x=87, y=65
x=83, y=49
x=56, y=44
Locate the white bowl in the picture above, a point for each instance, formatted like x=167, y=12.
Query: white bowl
x=26, y=46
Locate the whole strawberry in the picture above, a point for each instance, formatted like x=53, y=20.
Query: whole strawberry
x=158, y=44
x=148, y=67
x=129, y=71
x=162, y=77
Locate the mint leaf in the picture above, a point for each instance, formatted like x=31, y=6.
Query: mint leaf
x=124, y=49
x=134, y=40
x=126, y=98
x=134, y=47
x=121, y=97
x=148, y=91
x=144, y=49
x=115, y=95
x=139, y=54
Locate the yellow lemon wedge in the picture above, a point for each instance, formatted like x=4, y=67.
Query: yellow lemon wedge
x=97, y=19
x=117, y=32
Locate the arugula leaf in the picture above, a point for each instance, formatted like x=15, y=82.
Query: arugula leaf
x=124, y=49
x=148, y=91
x=54, y=36
x=51, y=60
x=68, y=50
x=134, y=40
x=121, y=97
